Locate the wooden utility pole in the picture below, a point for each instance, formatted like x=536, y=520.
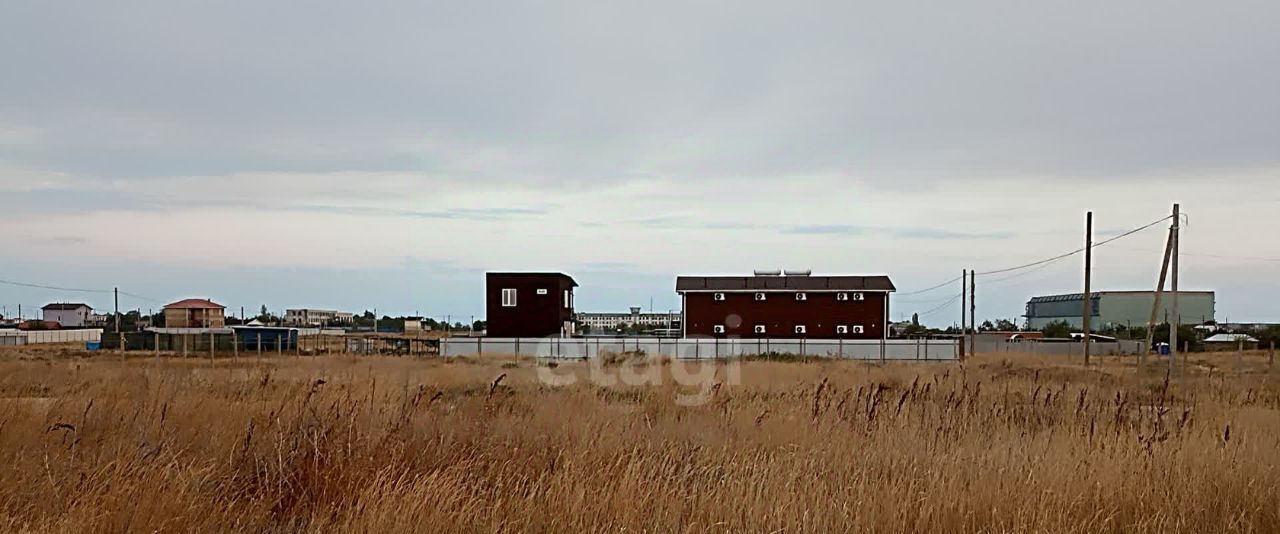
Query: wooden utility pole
x=973, y=310
x=1173, y=283
x=964, y=307
x=1088, y=272
x=119, y=334
x=1155, y=305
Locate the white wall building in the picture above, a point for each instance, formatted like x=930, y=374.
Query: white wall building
x=68, y=314
x=313, y=317
x=610, y=321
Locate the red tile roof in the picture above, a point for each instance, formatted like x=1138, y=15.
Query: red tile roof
x=194, y=304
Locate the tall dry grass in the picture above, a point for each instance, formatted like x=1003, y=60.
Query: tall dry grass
x=398, y=445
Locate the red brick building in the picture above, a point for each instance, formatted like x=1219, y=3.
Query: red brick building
x=529, y=304
x=790, y=306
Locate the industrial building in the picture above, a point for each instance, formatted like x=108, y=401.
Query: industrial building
x=597, y=321
x=1118, y=308
x=786, y=304
x=68, y=314
x=194, y=313
x=529, y=304
x=314, y=317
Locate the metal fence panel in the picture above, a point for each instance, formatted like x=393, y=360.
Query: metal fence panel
x=703, y=348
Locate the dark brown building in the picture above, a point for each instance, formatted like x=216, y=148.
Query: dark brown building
x=791, y=306
x=529, y=304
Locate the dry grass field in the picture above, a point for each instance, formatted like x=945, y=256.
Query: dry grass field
x=335, y=444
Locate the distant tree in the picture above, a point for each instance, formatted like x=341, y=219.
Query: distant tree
x=480, y=325
x=1006, y=325
x=915, y=319
x=986, y=326
x=1059, y=329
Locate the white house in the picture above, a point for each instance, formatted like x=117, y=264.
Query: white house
x=68, y=314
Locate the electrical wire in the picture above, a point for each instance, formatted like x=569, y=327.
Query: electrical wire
x=941, y=306
x=1077, y=251
x=931, y=288
x=55, y=288
x=77, y=290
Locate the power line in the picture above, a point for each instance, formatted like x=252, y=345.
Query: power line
x=928, y=289
x=949, y=302
x=55, y=288
x=75, y=289
x=1077, y=251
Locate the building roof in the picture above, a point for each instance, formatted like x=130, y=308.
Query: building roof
x=784, y=283
x=1230, y=338
x=64, y=306
x=533, y=275
x=1096, y=294
x=194, y=304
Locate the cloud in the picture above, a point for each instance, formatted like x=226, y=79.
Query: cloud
x=662, y=136
x=893, y=232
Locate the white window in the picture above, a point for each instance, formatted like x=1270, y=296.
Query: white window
x=842, y=296
x=759, y=329
x=542, y=291
x=508, y=298
x=760, y=296
x=800, y=329
x=842, y=329
x=568, y=299
x=801, y=296
x=856, y=296
x=718, y=329
x=857, y=329
x=718, y=296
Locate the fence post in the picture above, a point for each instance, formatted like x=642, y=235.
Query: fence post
x=184, y=344
x=157, y=334
x=926, y=349
x=235, y=345
x=278, y=345
x=259, y=344
x=212, y=345
x=840, y=350
x=882, y=350
x=1271, y=355
x=479, y=348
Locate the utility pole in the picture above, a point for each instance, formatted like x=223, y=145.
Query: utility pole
x=116, y=293
x=1155, y=305
x=973, y=310
x=1177, y=319
x=1088, y=271
x=964, y=308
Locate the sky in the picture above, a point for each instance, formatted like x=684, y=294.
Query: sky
x=361, y=155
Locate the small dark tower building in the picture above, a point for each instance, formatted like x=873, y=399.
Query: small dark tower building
x=529, y=304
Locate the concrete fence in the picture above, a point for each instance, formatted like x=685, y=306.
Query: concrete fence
x=1032, y=346
x=32, y=337
x=698, y=348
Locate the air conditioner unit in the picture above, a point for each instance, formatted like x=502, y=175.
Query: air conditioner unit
x=760, y=296
x=801, y=296
x=717, y=296
x=800, y=329
x=842, y=329
x=718, y=329
x=759, y=329
x=857, y=329
x=856, y=296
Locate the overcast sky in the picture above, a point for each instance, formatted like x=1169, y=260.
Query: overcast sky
x=385, y=154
